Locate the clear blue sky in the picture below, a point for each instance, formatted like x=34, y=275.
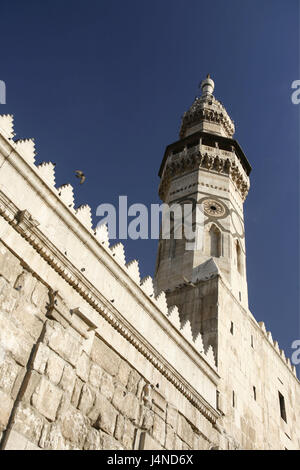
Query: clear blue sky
x=101, y=85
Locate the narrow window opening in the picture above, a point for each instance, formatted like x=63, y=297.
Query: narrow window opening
x=215, y=242
x=252, y=343
x=282, y=407
x=254, y=393
x=233, y=399
x=217, y=399
x=231, y=328
x=239, y=262
x=240, y=296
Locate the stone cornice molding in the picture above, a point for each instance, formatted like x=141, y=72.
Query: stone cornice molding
x=190, y=160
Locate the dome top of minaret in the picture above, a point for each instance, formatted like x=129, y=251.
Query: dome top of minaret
x=207, y=114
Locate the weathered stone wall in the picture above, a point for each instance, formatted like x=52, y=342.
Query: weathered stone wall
x=255, y=370
x=63, y=387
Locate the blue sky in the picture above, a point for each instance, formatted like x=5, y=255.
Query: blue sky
x=102, y=86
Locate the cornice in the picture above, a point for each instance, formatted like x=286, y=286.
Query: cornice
x=187, y=161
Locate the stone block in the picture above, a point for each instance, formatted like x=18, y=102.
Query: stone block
x=123, y=372
x=103, y=415
x=172, y=416
x=105, y=357
x=74, y=427
x=159, y=404
x=25, y=316
x=109, y=443
x=133, y=381
x=83, y=367
x=8, y=298
x=185, y=431
x=10, y=267
x=6, y=404
x=95, y=375
x=76, y=392
x=131, y=407
x=148, y=443
x=9, y=371
x=170, y=437
x=148, y=419
x=40, y=297
x=93, y=440
x=52, y=438
x=86, y=400
x=61, y=341
x=40, y=358
x=68, y=379
x=46, y=399
x=27, y=422
x=55, y=367
x=15, y=441
x=107, y=386
x=119, y=397
x=119, y=430
x=25, y=283
x=178, y=443
x=14, y=340
x=140, y=388
x=30, y=384
x=159, y=429
x=128, y=435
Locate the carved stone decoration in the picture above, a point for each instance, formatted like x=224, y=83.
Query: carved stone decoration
x=213, y=208
x=214, y=163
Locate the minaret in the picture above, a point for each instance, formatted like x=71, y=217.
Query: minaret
x=207, y=168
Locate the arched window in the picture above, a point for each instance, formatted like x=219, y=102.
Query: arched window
x=215, y=241
x=239, y=259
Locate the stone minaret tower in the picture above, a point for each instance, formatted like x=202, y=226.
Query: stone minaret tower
x=207, y=168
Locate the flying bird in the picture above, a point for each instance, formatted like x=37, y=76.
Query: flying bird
x=79, y=174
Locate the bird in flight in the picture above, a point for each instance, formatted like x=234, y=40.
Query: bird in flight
x=80, y=175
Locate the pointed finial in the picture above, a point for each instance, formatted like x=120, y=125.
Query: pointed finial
x=207, y=86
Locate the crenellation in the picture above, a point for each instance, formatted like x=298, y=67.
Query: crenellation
x=134, y=271
x=161, y=302
x=147, y=286
x=118, y=252
x=84, y=214
x=66, y=193
x=26, y=148
x=101, y=234
x=186, y=331
x=7, y=125
x=47, y=172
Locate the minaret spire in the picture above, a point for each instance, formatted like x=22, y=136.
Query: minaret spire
x=207, y=86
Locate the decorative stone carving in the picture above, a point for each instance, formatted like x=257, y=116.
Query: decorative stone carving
x=213, y=208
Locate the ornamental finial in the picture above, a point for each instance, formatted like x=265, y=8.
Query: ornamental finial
x=207, y=86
